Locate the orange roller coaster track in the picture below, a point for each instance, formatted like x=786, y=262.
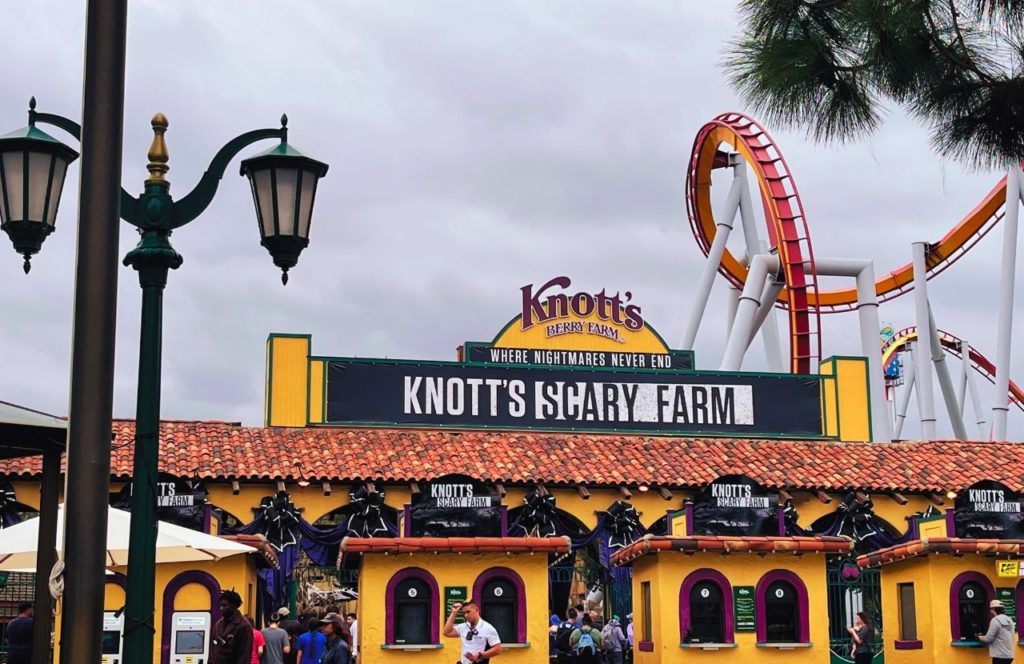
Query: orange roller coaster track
x=789, y=235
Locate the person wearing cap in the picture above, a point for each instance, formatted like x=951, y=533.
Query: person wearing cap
x=1000, y=635
x=339, y=642
x=293, y=628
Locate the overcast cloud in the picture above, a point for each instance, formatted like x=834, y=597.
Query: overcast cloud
x=474, y=147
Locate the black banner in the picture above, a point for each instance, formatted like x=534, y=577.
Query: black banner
x=407, y=393
x=988, y=510
x=178, y=501
x=678, y=360
x=455, y=506
x=735, y=505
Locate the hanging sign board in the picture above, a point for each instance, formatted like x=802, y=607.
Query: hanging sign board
x=988, y=510
x=454, y=595
x=743, y=608
x=406, y=393
x=1011, y=569
x=455, y=506
x=179, y=501
x=735, y=505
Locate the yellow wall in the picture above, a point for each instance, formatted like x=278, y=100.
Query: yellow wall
x=845, y=401
x=287, y=389
x=932, y=578
x=666, y=572
x=238, y=572
x=449, y=570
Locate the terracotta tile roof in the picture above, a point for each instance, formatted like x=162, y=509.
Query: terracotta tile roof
x=360, y=545
x=225, y=450
x=953, y=545
x=729, y=544
x=260, y=543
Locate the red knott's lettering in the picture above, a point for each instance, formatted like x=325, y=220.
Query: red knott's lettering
x=540, y=307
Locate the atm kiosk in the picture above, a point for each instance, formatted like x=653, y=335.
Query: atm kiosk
x=113, y=633
x=190, y=637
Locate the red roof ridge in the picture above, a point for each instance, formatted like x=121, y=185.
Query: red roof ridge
x=952, y=545
x=689, y=544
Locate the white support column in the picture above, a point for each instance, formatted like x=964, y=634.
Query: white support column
x=908, y=388
x=732, y=302
x=961, y=381
x=760, y=267
x=723, y=228
x=867, y=313
x=925, y=396
x=979, y=410
x=945, y=381
x=1004, y=324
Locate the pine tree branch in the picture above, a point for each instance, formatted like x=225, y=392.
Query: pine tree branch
x=950, y=53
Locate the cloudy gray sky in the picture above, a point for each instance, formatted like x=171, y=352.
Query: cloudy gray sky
x=474, y=147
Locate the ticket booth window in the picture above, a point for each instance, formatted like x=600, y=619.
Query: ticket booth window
x=501, y=606
x=412, y=608
x=707, y=613
x=972, y=607
x=782, y=615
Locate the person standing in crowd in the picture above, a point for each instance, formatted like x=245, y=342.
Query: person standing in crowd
x=563, y=637
x=293, y=628
x=863, y=633
x=553, y=624
x=1000, y=635
x=277, y=645
x=339, y=641
x=353, y=628
x=310, y=645
x=479, y=639
x=232, y=636
x=586, y=642
x=19, y=635
x=257, y=641
x=629, y=637
x=613, y=641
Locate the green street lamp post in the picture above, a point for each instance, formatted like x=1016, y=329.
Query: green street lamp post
x=283, y=181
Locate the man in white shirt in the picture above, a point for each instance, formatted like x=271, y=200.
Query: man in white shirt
x=353, y=628
x=478, y=637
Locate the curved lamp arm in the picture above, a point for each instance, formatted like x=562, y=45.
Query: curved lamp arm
x=129, y=204
x=197, y=200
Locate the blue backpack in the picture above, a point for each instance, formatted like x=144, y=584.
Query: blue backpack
x=586, y=646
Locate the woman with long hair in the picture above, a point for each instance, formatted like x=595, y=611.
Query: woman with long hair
x=863, y=633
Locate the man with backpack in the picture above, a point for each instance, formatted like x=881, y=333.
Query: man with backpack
x=563, y=638
x=586, y=642
x=613, y=641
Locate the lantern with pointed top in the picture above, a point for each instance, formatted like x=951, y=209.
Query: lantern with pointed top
x=32, y=169
x=283, y=188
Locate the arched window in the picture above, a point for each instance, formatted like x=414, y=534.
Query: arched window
x=412, y=608
x=782, y=611
x=502, y=598
x=705, y=608
x=969, y=596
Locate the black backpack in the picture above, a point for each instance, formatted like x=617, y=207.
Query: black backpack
x=563, y=637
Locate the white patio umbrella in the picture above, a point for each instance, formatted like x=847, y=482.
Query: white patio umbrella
x=174, y=544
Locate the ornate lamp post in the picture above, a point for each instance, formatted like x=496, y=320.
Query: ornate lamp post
x=283, y=181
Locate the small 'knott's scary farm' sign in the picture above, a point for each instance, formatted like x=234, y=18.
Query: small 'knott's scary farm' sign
x=408, y=393
x=455, y=506
x=178, y=500
x=735, y=505
x=988, y=509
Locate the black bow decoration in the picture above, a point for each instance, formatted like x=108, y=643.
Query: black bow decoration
x=280, y=518
x=623, y=522
x=366, y=518
x=790, y=517
x=538, y=515
x=8, y=504
x=857, y=518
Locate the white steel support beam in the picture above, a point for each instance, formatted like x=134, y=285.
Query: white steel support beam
x=945, y=380
x=749, y=301
x=1004, y=324
x=925, y=395
x=979, y=410
x=961, y=381
x=904, y=398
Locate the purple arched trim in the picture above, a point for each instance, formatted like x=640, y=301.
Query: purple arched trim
x=954, y=593
x=803, y=628
x=1019, y=597
x=118, y=579
x=389, y=603
x=719, y=580
x=517, y=581
x=177, y=583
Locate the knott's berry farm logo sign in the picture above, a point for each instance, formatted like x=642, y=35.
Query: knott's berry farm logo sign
x=555, y=309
